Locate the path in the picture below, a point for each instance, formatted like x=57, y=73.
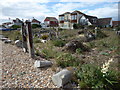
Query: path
x=18, y=70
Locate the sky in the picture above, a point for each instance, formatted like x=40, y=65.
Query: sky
x=39, y=9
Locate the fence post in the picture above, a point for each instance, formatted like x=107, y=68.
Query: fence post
x=30, y=39
x=24, y=38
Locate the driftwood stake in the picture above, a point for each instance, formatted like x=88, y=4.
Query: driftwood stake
x=24, y=38
x=30, y=39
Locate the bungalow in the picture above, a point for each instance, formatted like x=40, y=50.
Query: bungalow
x=17, y=21
x=51, y=22
x=7, y=24
x=105, y=22
x=67, y=19
x=115, y=23
x=35, y=21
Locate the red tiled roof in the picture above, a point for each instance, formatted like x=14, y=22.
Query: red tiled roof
x=50, y=19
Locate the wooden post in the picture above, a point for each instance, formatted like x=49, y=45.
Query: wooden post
x=24, y=38
x=30, y=39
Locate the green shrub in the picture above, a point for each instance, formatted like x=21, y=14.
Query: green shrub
x=92, y=77
x=48, y=53
x=36, y=40
x=66, y=60
x=36, y=26
x=59, y=43
x=44, y=37
x=79, y=50
x=15, y=26
x=92, y=44
x=100, y=34
x=91, y=27
x=78, y=26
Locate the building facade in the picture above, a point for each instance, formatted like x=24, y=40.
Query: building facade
x=67, y=20
x=51, y=22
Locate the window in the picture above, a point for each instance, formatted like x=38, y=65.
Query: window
x=74, y=17
x=61, y=18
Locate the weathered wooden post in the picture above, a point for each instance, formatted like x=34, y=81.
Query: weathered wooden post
x=30, y=39
x=24, y=38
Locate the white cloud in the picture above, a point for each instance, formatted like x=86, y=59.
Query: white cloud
x=109, y=11
x=88, y=0
x=27, y=9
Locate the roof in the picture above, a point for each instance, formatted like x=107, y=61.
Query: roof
x=104, y=21
x=90, y=18
x=76, y=11
x=115, y=23
x=17, y=19
x=7, y=23
x=35, y=20
x=50, y=19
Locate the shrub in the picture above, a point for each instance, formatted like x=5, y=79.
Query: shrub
x=36, y=40
x=100, y=34
x=78, y=26
x=91, y=27
x=66, y=60
x=59, y=43
x=44, y=37
x=15, y=26
x=92, y=77
x=48, y=53
x=36, y=26
x=75, y=26
x=79, y=50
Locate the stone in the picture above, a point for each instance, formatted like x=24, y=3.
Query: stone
x=7, y=41
x=62, y=77
x=44, y=63
x=43, y=41
x=18, y=43
x=3, y=39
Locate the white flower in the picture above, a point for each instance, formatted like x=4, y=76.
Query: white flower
x=106, y=66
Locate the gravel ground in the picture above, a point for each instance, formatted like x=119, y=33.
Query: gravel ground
x=18, y=70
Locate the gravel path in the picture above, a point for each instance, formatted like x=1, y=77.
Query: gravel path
x=18, y=70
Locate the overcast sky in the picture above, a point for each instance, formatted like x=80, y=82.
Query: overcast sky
x=39, y=9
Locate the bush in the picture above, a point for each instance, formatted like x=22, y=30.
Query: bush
x=66, y=60
x=59, y=43
x=48, y=53
x=78, y=26
x=100, y=34
x=15, y=26
x=36, y=40
x=44, y=37
x=36, y=26
x=79, y=50
x=92, y=77
x=91, y=27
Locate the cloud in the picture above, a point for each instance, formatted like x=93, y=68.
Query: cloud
x=106, y=11
x=88, y=0
x=26, y=9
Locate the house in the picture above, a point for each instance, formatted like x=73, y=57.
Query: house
x=7, y=24
x=105, y=22
x=67, y=19
x=51, y=22
x=35, y=21
x=17, y=21
x=115, y=23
